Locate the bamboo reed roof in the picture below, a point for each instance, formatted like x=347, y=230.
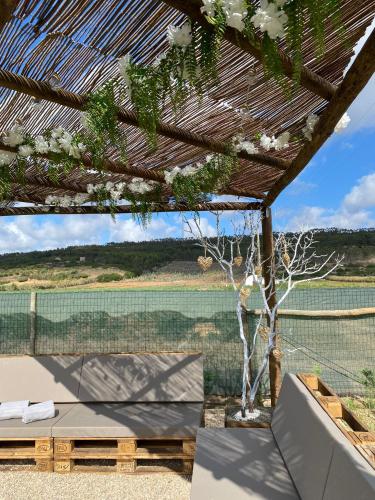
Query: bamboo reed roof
x=81, y=40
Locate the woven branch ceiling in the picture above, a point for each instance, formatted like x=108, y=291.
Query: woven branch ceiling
x=81, y=40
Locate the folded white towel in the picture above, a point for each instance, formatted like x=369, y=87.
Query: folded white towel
x=15, y=404
x=39, y=411
x=12, y=409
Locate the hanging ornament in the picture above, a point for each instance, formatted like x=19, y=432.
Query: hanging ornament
x=263, y=332
x=204, y=262
x=285, y=255
x=277, y=353
x=258, y=271
x=238, y=260
x=244, y=295
x=54, y=81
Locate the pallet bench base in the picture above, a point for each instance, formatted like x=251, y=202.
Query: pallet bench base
x=348, y=423
x=39, y=451
x=124, y=455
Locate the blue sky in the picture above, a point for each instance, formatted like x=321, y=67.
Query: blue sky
x=337, y=189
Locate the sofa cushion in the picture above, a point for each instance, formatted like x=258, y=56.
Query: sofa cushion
x=130, y=420
x=239, y=464
x=142, y=378
x=14, y=428
x=40, y=378
x=350, y=475
x=306, y=436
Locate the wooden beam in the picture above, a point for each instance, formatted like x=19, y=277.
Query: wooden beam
x=143, y=173
x=355, y=80
x=42, y=90
x=269, y=281
x=309, y=79
x=126, y=209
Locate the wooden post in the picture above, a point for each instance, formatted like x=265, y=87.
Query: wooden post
x=269, y=280
x=32, y=322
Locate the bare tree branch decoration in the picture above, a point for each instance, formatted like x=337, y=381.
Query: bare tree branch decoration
x=294, y=261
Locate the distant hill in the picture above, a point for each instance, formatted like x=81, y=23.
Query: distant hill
x=138, y=258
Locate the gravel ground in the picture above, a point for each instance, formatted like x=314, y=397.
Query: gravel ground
x=43, y=486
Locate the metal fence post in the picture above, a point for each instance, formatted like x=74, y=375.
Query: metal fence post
x=33, y=308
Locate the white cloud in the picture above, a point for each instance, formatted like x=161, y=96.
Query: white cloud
x=130, y=230
x=26, y=233
x=353, y=213
x=298, y=187
x=318, y=217
x=204, y=225
x=362, y=195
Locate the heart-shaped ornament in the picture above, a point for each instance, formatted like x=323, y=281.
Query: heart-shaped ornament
x=204, y=262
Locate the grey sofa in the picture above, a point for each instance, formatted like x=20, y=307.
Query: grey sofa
x=115, y=395
x=304, y=455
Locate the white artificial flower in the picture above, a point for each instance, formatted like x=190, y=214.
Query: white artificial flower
x=90, y=188
x=84, y=120
x=57, y=132
x=41, y=145
x=65, y=141
x=79, y=199
x=6, y=158
x=266, y=142
x=25, y=150
x=75, y=150
x=282, y=142
x=249, y=147
x=270, y=18
x=241, y=144
x=123, y=66
x=235, y=12
x=159, y=59
x=311, y=121
x=279, y=143
x=115, y=194
x=208, y=7
x=342, y=123
x=50, y=200
x=188, y=170
x=109, y=185
x=209, y=158
x=141, y=186
x=14, y=136
x=170, y=175
x=179, y=36
x=54, y=146
x=65, y=201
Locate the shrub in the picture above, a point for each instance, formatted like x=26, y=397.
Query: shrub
x=22, y=279
x=108, y=277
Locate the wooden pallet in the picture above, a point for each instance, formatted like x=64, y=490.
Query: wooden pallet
x=39, y=450
x=126, y=455
x=349, y=424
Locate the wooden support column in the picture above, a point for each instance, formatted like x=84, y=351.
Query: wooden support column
x=269, y=280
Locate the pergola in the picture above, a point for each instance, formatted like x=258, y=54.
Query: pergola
x=81, y=40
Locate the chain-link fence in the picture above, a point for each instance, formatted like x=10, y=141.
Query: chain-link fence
x=131, y=321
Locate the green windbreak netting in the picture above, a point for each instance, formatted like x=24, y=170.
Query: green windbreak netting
x=131, y=321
